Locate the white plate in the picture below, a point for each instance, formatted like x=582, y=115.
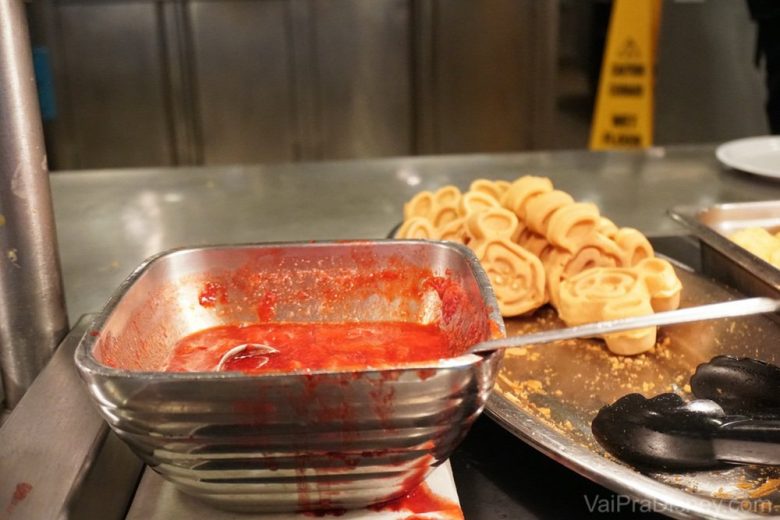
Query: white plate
x=757, y=155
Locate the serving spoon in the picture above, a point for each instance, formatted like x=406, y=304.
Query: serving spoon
x=731, y=309
x=257, y=351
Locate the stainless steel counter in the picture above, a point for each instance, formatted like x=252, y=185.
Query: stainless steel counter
x=110, y=220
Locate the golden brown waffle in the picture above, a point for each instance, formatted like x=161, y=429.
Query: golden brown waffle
x=532, y=239
x=539, y=209
x=495, y=189
x=475, y=201
x=490, y=223
x=417, y=228
x=522, y=191
x=607, y=293
x=455, y=231
x=516, y=275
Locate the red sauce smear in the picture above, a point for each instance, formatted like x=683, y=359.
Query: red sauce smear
x=422, y=500
x=450, y=294
x=20, y=493
x=312, y=346
x=420, y=503
x=211, y=294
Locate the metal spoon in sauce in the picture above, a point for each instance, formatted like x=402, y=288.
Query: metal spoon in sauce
x=732, y=309
x=257, y=351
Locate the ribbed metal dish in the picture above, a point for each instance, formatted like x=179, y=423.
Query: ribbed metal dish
x=723, y=259
x=298, y=441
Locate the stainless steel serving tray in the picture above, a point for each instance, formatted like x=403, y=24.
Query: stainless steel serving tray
x=549, y=395
x=723, y=259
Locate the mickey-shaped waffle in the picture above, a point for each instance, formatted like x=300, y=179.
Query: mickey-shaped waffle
x=495, y=189
x=570, y=237
x=607, y=293
x=517, y=276
x=439, y=208
x=418, y=228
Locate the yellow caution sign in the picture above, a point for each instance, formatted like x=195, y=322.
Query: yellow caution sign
x=623, y=117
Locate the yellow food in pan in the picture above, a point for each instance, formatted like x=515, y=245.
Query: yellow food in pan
x=760, y=242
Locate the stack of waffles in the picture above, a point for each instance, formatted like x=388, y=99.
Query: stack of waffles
x=538, y=246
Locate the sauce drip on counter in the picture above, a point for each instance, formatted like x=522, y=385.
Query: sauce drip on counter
x=20, y=493
x=312, y=346
x=422, y=503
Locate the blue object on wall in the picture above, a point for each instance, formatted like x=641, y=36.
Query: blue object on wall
x=44, y=79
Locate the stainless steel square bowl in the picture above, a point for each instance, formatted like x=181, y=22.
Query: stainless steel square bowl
x=303, y=440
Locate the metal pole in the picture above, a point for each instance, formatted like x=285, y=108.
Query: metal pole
x=32, y=305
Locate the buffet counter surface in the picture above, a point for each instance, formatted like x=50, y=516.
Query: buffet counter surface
x=109, y=221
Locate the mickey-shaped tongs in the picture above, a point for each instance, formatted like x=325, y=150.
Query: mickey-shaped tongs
x=735, y=419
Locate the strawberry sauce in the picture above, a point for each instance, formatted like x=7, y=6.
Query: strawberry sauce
x=311, y=346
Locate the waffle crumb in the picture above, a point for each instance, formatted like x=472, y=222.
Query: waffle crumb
x=721, y=493
x=523, y=388
x=534, y=386
x=616, y=363
x=530, y=354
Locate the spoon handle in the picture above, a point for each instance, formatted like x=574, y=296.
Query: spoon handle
x=743, y=307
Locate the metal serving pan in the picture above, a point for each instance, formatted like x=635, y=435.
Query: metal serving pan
x=301, y=440
x=548, y=396
x=723, y=259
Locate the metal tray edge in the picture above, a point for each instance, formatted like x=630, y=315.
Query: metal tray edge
x=621, y=479
x=688, y=216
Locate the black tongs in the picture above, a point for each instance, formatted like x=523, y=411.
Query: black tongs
x=740, y=386
x=735, y=419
